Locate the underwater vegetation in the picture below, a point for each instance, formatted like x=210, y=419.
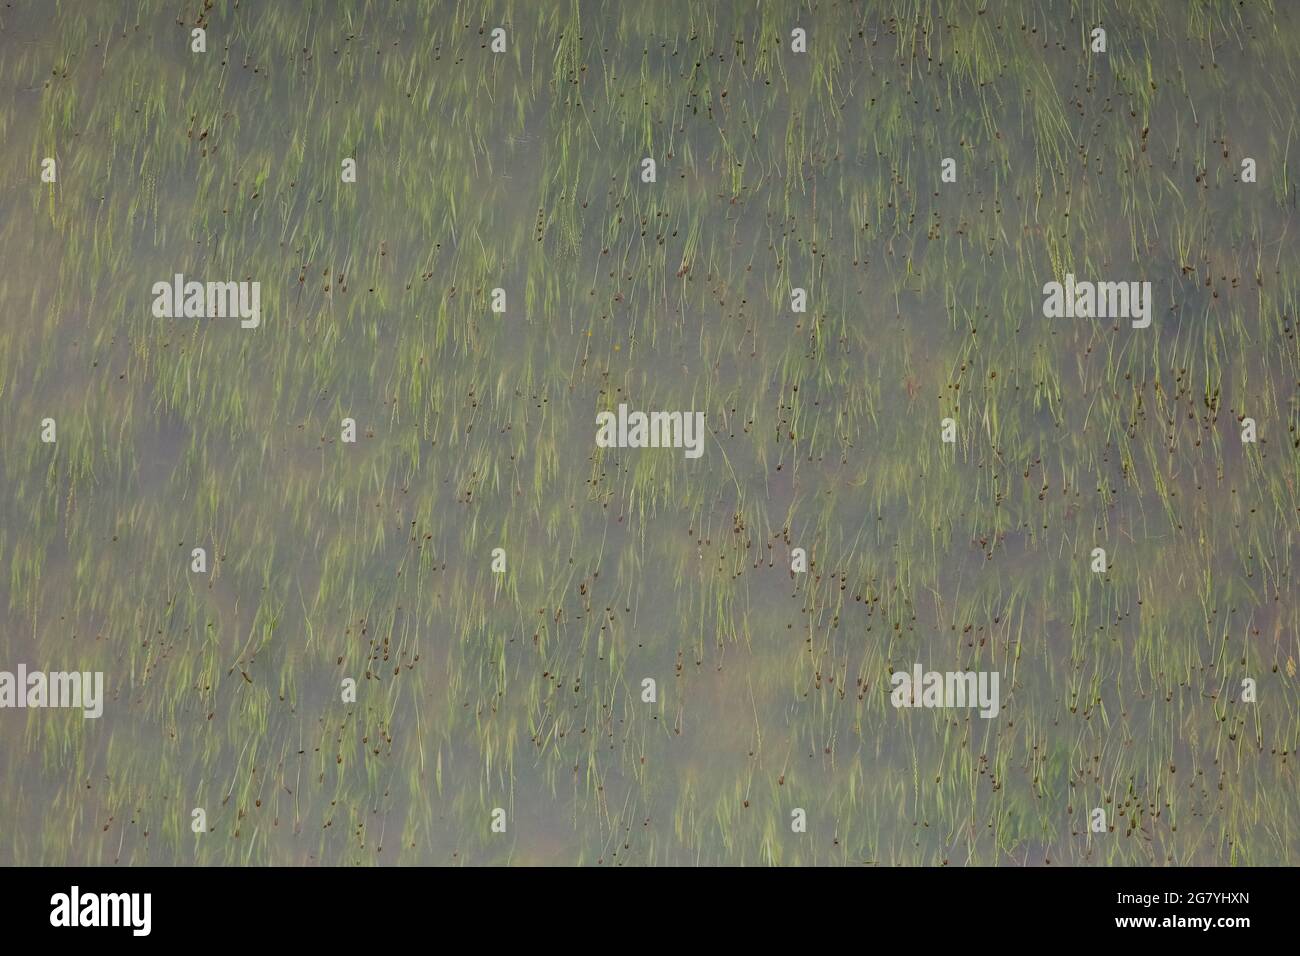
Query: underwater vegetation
x=357, y=676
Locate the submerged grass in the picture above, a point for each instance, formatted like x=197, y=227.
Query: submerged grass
x=775, y=170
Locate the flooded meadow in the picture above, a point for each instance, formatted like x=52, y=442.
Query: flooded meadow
x=487, y=625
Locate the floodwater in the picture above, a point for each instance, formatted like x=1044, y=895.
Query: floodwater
x=351, y=681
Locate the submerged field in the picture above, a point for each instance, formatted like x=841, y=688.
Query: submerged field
x=523, y=690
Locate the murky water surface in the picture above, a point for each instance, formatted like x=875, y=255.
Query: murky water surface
x=1160, y=690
